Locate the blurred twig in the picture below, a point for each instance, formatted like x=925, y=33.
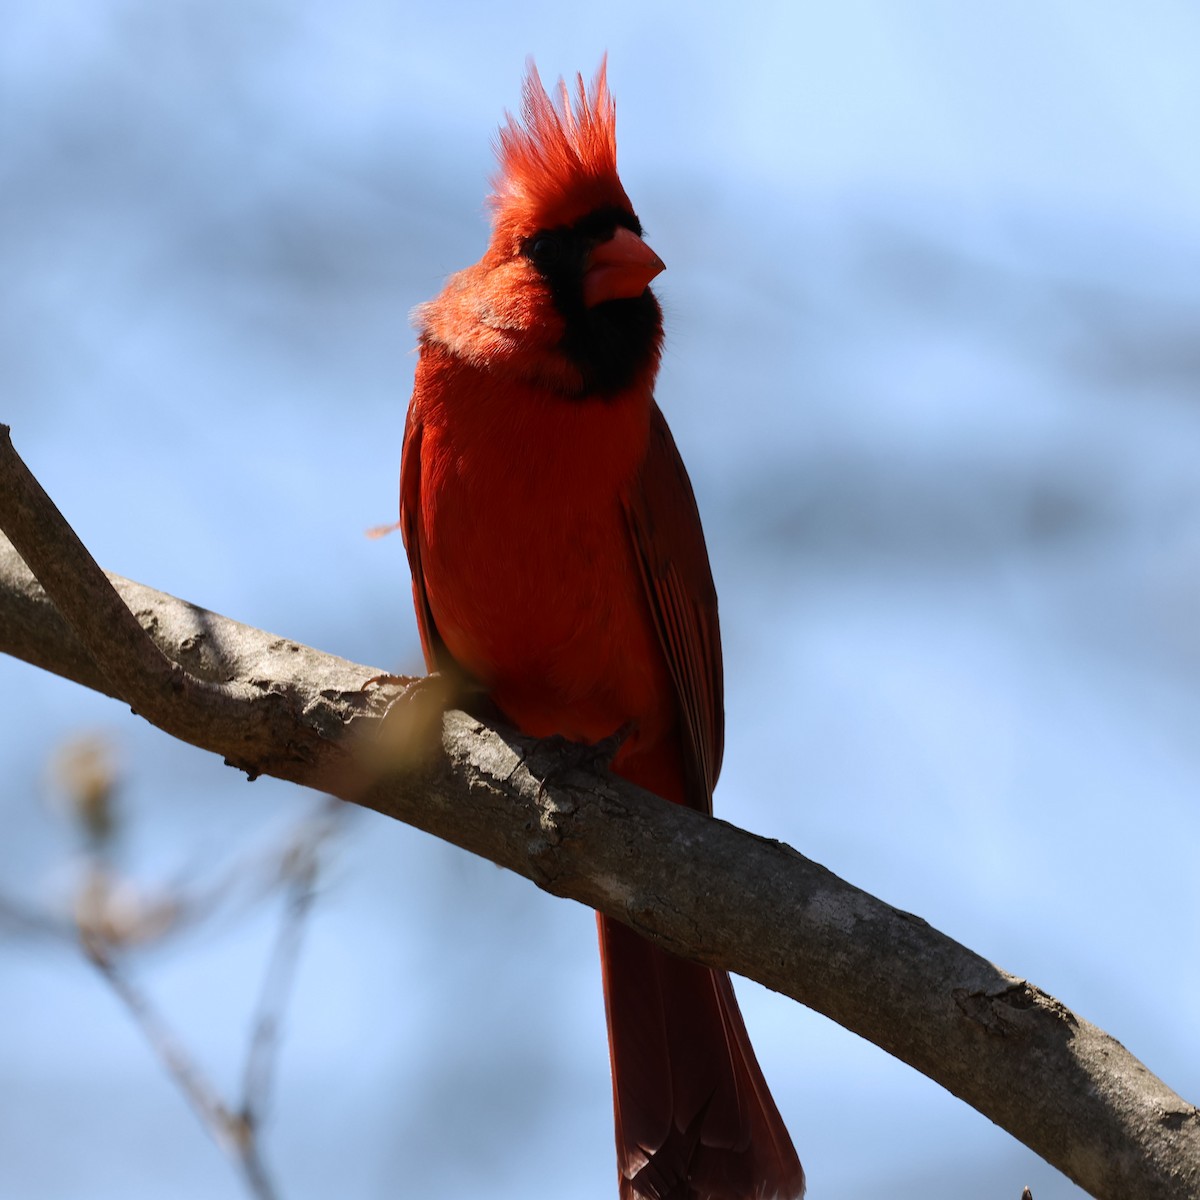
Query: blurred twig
x=236, y=1128
x=110, y=918
x=299, y=871
x=203, y=1098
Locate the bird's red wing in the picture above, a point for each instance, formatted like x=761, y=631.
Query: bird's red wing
x=437, y=658
x=668, y=540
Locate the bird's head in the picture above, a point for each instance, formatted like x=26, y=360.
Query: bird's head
x=558, y=200
x=562, y=291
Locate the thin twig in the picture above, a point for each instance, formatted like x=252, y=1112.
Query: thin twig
x=300, y=866
x=236, y=1132
x=203, y=1098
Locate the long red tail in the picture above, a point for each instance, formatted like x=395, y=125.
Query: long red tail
x=694, y=1118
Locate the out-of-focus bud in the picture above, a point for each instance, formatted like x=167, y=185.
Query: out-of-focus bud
x=86, y=772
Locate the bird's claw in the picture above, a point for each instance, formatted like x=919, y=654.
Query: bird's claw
x=391, y=681
x=592, y=758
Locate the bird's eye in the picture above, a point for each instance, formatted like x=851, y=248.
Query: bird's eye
x=545, y=249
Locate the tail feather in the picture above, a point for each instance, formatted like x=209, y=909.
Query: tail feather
x=694, y=1118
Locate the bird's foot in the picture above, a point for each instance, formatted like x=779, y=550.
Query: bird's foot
x=562, y=757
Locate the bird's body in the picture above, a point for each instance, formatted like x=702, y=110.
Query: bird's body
x=559, y=562
x=555, y=649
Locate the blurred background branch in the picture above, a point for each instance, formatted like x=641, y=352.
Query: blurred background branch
x=113, y=919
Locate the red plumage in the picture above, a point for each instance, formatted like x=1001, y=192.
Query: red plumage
x=558, y=560
x=558, y=163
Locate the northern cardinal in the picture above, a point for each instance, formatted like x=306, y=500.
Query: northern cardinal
x=558, y=562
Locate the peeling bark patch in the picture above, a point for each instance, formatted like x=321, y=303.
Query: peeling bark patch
x=984, y=1010
x=1176, y=1119
x=148, y=619
x=1000, y=1013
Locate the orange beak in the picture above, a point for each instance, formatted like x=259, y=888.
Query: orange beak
x=619, y=269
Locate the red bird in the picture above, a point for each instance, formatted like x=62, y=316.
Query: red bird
x=558, y=561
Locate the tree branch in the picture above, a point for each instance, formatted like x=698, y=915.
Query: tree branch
x=695, y=885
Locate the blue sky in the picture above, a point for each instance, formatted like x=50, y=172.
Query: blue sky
x=932, y=303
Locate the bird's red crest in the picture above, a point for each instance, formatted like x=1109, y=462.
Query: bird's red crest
x=559, y=162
